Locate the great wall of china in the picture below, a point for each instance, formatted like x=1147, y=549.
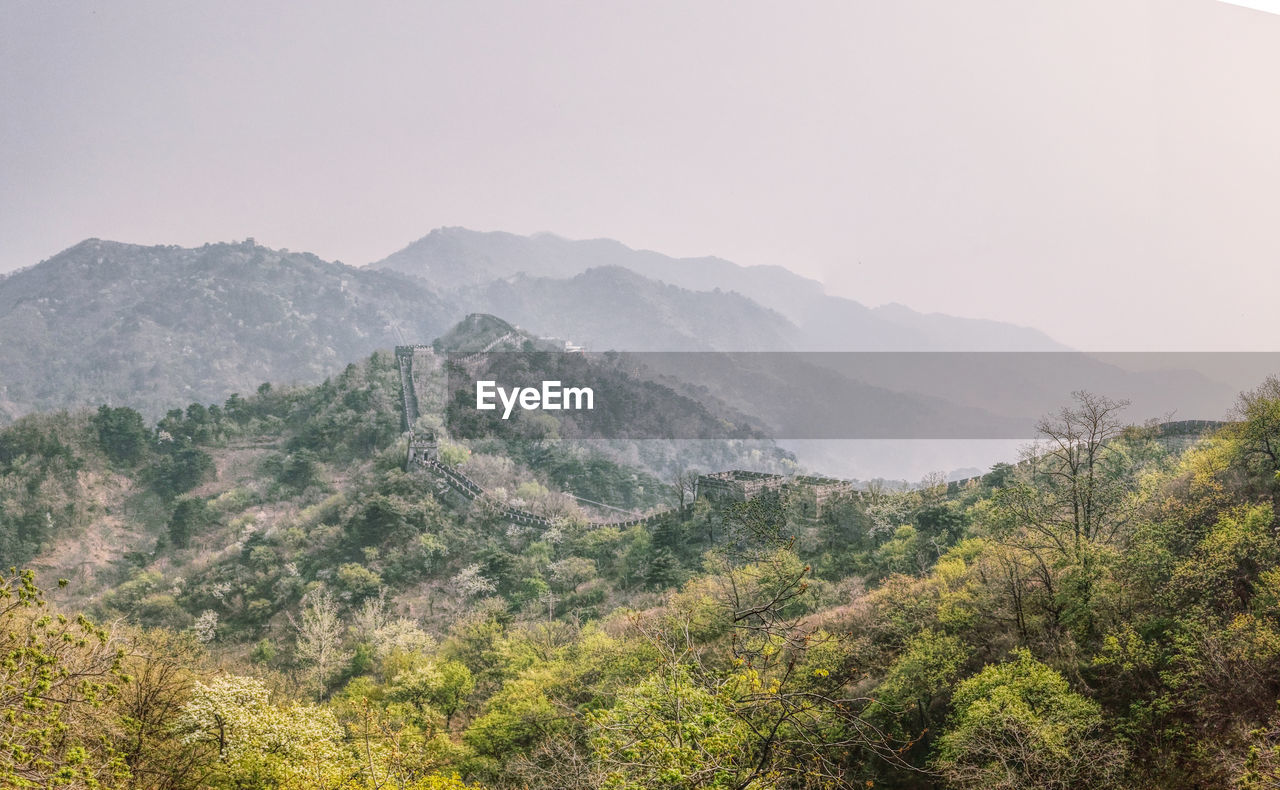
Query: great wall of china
x=735, y=485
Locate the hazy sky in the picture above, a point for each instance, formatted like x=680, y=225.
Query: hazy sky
x=1106, y=170
x=1273, y=6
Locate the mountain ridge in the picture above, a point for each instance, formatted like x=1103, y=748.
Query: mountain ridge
x=151, y=325
x=452, y=257
x=154, y=325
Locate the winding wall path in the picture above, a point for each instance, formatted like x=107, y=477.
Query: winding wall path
x=473, y=492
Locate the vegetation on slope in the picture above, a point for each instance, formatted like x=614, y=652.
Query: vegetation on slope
x=1103, y=614
x=150, y=327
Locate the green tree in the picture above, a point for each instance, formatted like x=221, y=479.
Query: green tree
x=1257, y=432
x=300, y=470
x=432, y=688
x=663, y=569
x=180, y=470
x=378, y=518
x=122, y=434
x=190, y=515
x=671, y=733
x=55, y=674
x=1019, y=726
x=357, y=581
x=923, y=671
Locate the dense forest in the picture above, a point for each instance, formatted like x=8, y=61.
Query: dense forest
x=256, y=594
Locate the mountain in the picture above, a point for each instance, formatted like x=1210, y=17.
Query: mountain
x=152, y=327
x=611, y=307
x=89, y=493
x=487, y=610
x=453, y=259
x=456, y=257
x=483, y=332
x=149, y=327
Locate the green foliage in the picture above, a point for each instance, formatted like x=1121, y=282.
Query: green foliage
x=422, y=635
x=670, y=732
x=1019, y=725
x=924, y=670
x=1257, y=434
x=296, y=471
x=453, y=454
x=357, y=581
x=378, y=518
x=55, y=674
x=264, y=652
x=42, y=460
x=432, y=691
x=177, y=470
x=190, y=515
x=1222, y=573
x=122, y=434
x=350, y=415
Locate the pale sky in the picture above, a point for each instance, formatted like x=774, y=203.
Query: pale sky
x=1104, y=170
x=1270, y=6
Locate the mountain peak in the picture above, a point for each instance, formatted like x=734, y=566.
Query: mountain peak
x=478, y=332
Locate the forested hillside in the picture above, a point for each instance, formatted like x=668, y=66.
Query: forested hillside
x=150, y=327
x=283, y=605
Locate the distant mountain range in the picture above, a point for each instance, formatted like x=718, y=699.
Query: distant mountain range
x=615, y=308
x=158, y=327
x=466, y=261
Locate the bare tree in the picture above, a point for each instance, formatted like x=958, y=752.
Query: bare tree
x=1075, y=483
x=159, y=671
x=558, y=764
x=684, y=486
x=1071, y=498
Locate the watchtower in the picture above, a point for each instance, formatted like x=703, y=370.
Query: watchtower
x=422, y=449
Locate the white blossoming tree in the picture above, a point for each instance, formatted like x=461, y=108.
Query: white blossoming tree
x=470, y=582
x=319, y=634
x=257, y=744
